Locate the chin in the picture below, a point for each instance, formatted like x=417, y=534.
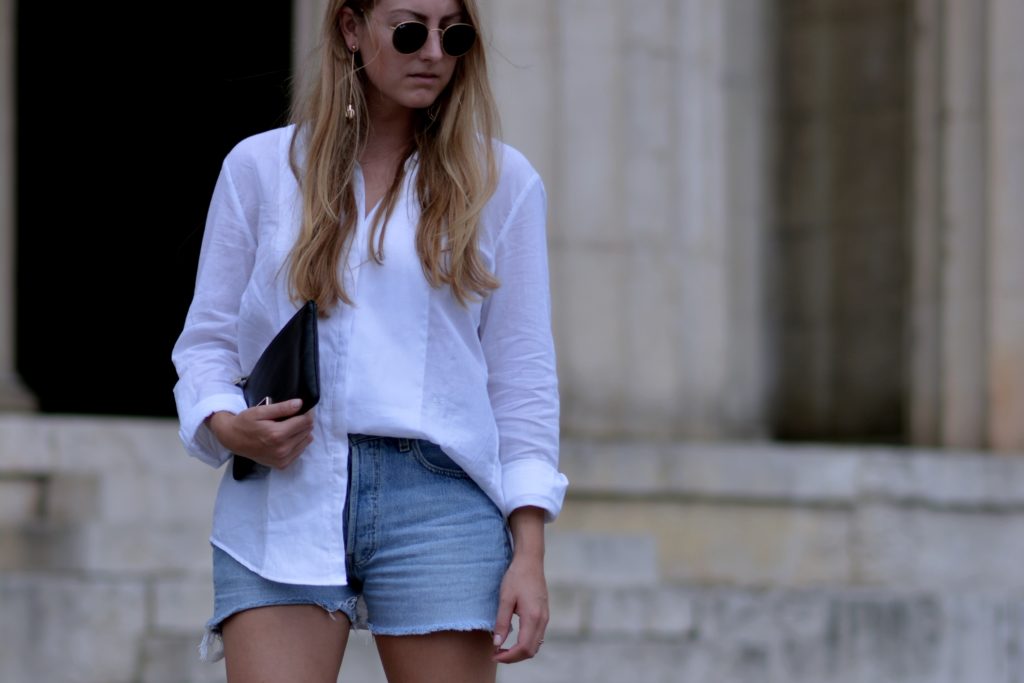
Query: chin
x=420, y=102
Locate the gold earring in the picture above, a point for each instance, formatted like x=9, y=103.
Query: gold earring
x=350, y=111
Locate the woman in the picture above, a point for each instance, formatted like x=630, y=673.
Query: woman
x=392, y=503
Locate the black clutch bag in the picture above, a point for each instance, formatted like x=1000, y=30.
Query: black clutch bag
x=288, y=368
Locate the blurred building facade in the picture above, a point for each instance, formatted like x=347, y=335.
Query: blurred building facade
x=787, y=253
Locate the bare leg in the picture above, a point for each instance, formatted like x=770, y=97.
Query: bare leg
x=442, y=657
x=285, y=643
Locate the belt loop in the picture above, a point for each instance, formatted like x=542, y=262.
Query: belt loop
x=403, y=446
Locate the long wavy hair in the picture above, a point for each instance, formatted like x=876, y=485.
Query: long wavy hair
x=457, y=170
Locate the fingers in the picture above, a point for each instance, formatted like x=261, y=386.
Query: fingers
x=503, y=622
x=277, y=411
x=284, y=441
x=531, y=635
x=533, y=620
x=274, y=434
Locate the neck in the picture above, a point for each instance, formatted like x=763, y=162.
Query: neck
x=390, y=130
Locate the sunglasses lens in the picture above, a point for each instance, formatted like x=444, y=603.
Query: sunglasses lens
x=458, y=39
x=409, y=37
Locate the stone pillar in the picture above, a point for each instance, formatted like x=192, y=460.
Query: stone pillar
x=967, y=385
x=13, y=394
x=1005, y=196
x=648, y=121
x=306, y=18
x=949, y=376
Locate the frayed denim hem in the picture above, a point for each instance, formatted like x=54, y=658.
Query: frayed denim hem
x=211, y=647
x=472, y=625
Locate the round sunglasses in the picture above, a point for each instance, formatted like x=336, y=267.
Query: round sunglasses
x=409, y=36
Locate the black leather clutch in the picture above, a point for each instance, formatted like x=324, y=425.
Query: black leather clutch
x=288, y=368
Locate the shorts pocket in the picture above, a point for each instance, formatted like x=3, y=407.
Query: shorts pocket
x=436, y=460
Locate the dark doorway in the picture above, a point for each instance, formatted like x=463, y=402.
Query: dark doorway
x=124, y=113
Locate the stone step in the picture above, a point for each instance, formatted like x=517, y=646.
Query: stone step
x=601, y=559
x=113, y=630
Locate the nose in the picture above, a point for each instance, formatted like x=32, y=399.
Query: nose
x=432, y=48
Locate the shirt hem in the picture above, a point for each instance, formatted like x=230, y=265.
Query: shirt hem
x=341, y=580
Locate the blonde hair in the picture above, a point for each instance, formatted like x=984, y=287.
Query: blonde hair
x=457, y=171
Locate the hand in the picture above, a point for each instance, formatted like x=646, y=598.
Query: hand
x=524, y=590
x=272, y=435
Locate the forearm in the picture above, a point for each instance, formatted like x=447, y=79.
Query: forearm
x=527, y=527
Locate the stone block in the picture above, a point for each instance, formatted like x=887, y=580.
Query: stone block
x=175, y=659
x=183, y=604
x=73, y=497
x=744, y=544
x=603, y=661
x=938, y=549
x=750, y=471
x=943, y=478
x=569, y=609
x=644, y=613
x=21, y=499
x=152, y=548
x=55, y=628
x=797, y=473
x=142, y=496
x=26, y=444
x=600, y=559
x=93, y=443
x=625, y=467
x=37, y=545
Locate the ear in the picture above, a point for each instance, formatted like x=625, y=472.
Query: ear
x=349, y=24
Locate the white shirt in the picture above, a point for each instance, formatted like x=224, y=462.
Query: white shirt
x=407, y=360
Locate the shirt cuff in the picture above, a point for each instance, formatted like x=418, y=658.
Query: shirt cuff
x=196, y=436
x=533, y=482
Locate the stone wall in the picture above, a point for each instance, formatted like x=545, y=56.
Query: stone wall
x=697, y=562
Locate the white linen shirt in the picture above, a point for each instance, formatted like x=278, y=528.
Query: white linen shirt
x=406, y=360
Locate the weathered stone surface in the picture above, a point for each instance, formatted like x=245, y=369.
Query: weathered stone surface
x=917, y=546
x=743, y=544
x=807, y=474
x=657, y=613
x=152, y=548
x=56, y=629
x=21, y=500
x=601, y=559
x=175, y=659
x=183, y=604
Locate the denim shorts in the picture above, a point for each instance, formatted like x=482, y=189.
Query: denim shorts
x=426, y=549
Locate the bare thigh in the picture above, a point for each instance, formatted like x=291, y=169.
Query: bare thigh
x=442, y=657
x=284, y=643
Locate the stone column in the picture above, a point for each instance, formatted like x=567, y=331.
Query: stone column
x=1005, y=196
x=306, y=18
x=13, y=394
x=648, y=121
x=949, y=347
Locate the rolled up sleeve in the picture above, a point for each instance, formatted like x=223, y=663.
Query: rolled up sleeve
x=516, y=337
x=206, y=353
